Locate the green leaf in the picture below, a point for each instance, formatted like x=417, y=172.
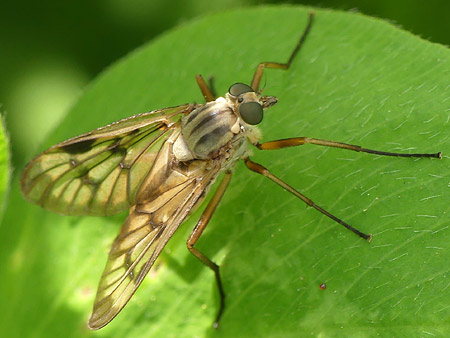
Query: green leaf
x=5, y=170
x=356, y=80
x=4, y=167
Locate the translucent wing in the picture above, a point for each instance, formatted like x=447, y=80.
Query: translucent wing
x=99, y=173
x=166, y=197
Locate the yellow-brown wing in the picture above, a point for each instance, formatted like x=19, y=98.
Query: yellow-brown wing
x=166, y=197
x=99, y=173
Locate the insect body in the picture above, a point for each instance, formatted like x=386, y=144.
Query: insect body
x=159, y=165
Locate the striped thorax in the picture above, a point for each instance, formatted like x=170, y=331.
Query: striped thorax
x=226, y=123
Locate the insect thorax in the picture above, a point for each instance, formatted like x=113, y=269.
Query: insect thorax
x=206, y=130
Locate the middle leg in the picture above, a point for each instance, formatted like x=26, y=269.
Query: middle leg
x=298, y=141
x=197, y=232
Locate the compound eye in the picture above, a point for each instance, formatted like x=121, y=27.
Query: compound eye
x=239, y=88
x=251, y=112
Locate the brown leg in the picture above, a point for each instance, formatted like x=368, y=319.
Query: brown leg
x=260, y=69
x=197, y=232
x=211, y=86
x=298, y=141
x=207, y=93
x=263, y=171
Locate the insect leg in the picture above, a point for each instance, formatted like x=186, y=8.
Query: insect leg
x=196, y=233
x=260, y=69
x=211, y=86
x=207, y=93
x=298, y=141
x=258, y=168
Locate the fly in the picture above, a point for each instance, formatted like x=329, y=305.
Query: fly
x=159, y=165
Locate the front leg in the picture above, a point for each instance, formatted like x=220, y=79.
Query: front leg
x=207, y=92
x=257, y=76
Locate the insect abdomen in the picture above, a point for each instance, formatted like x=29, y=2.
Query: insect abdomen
x=208, y=128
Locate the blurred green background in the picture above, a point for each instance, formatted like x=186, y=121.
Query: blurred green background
x=50, y=50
